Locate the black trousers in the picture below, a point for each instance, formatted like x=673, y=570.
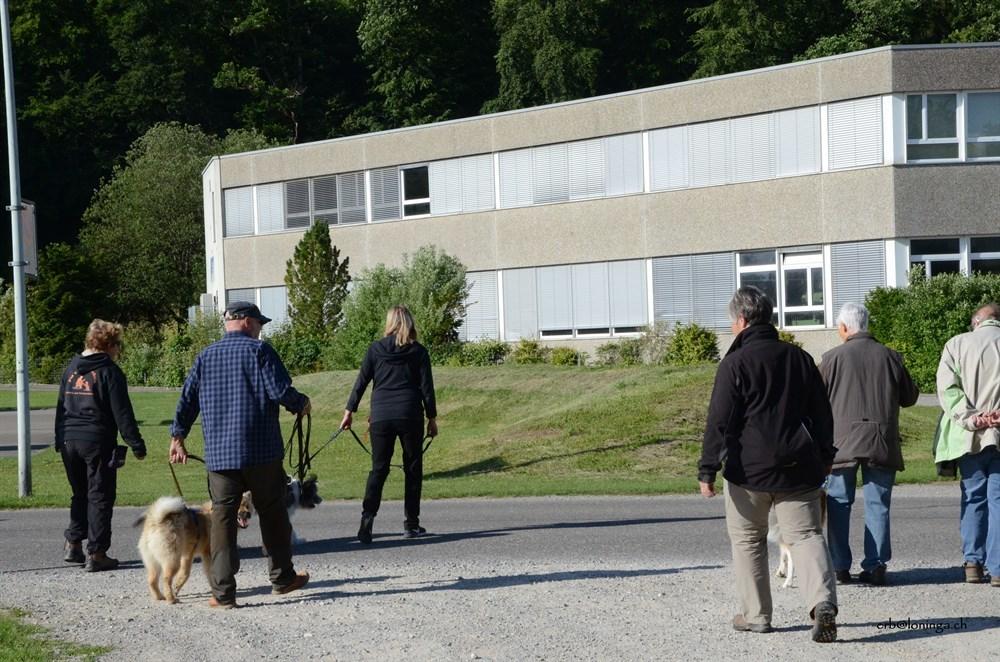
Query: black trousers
x=383, y=439
x=94, y=486
x=267, y=486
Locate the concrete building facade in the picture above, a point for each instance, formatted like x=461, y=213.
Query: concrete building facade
x=587, y=220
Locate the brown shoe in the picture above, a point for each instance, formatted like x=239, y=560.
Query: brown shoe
x=215, y=604
x=740, y=625
x=301, y=579
x=995, y=581
x=973, y=572
x=99, y=562
x=74, y=553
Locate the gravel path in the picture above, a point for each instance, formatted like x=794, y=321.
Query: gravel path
x=514, y=579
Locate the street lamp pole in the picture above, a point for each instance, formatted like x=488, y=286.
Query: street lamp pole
x=18, y=264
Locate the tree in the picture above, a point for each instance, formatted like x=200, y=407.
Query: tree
x=144, y=228
x=316, y=280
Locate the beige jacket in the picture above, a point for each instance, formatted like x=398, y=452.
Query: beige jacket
x=968, y=383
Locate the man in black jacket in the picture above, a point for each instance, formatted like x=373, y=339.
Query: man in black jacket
x=769, y=420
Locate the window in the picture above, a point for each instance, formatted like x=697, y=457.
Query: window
x=461, y=185
x=274, y=304
x=760, y=269
x=694, y=288
x=270, y=208
x=982, y=134
x=242, y=294
x=855, y=133
x=480, y=319
x=385, y=193
x=984, y=255
x=297, y=204
x=237, y=211
x=416, y=191
x=931, y=127
x=936, y=256
x=802, y=289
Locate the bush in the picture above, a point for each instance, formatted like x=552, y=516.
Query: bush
x=528, y=352
x=483, y=352
x=918, y=320
x=624, y=352
x=788, y=337
x=654, y=341
x=300, y=353
x=567, y=356
x=690, y=344
x=164, y=358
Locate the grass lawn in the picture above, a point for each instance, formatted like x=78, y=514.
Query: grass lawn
x=505, y=431
x=22, y=642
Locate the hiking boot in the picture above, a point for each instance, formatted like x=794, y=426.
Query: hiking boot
x=217, y=604
x=740, y=625
x=995, y=581
x=415, y=532
x=301, y=579
x=973, y=572
x=844, y=577
x=365, y=530
x=875, y=577
x=824, y=628
x=74, y=553
x=99, y=561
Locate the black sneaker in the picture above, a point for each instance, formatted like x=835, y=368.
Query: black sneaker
x=844, y=577
x=365, y=530
x=824, y=628
x=875, y=577
x=415, y=532
x=74, y=553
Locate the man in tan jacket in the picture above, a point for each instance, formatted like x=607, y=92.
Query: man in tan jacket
x=968, y=388
x=867, y=384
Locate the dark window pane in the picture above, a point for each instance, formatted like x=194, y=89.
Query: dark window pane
x=756, y=258
x=939, y=151
x=986, y=244
x=986, y=266
x=983, y=115
x=765, y=281
x=817, y=285
x=808, y=318
x=914, y=121
x=933, y=246
x=941, y=116
x=415, y=185
x=939, y=267
x=983, y=150
x=796, y=287
x=417, y=209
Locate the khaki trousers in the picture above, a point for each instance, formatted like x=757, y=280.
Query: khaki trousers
x=799, y=518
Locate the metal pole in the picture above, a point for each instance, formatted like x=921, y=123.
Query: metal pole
x=20, y=312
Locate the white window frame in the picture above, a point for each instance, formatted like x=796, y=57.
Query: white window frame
x=959, y=138
x=982, y=255
x=809, y=261
x=966, y=139
x=762, y=268
x=403, y=201
x=962, y=256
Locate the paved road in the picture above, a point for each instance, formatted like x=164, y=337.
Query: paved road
x=42, y=435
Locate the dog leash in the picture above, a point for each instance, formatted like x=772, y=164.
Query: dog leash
x=426, y=441
x=174, y=473
x=304, y=462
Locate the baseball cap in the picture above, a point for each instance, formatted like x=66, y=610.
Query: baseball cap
x=239, y=309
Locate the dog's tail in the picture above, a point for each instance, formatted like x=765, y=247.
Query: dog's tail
x=161, y=509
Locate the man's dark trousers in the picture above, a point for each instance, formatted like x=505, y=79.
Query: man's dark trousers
x=383, y=440
x=94, y=486
x=267, y=484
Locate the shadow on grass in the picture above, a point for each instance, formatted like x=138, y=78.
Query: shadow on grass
x=497, y=463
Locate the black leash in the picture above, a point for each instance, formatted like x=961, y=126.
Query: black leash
x=428, y=439
x=304, y=463
x=174, y=473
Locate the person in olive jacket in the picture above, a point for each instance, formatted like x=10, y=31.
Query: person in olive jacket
x=867, y=384
x=403, y=393
x=769, y=421
x=92, y=409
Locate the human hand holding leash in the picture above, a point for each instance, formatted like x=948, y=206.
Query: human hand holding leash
x=707, y=489
x=432, y=427
x=345, y=423
x=178, y=454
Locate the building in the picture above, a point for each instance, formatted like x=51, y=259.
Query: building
x=586, y=220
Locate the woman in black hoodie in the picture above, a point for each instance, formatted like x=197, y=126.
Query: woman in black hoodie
x=402, y=394
x=93, y=407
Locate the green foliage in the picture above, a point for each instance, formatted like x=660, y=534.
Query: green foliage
x=8, y=353
x=528, y=352
x=918, y=320
x=316, y=280
x=375, y=291
x=25, y=642
x=691, y=344
x=567, y=356
x=483, y=352
x=300, y=353
x=164, y=358
x=788, y=337
x=624, y=352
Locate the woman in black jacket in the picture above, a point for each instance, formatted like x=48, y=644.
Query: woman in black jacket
x=403, y=392
x=93, y=408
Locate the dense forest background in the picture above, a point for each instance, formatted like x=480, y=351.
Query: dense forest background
x=93, y=76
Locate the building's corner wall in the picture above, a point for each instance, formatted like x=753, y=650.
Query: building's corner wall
x=215, y=280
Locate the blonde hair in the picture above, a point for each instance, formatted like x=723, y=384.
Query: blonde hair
x=102, y=336
x=399, y=323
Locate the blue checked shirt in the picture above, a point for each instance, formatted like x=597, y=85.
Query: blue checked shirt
x=237, y=384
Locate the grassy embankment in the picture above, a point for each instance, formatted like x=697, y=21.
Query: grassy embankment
x=23, y=642
x=505, y=431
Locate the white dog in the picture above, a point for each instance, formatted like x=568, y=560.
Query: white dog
x=786, y=566
x=299, y=495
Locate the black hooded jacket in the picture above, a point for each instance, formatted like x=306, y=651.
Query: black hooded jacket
x=94, y=405
x=404, y=386
x=769, y=419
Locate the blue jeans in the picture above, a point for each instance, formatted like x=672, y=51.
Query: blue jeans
x=981, y=508
x=877, y=490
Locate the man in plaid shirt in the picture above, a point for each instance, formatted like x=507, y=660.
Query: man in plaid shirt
x=237, y=385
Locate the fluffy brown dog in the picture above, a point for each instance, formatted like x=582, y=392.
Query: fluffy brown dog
x=172, y=535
